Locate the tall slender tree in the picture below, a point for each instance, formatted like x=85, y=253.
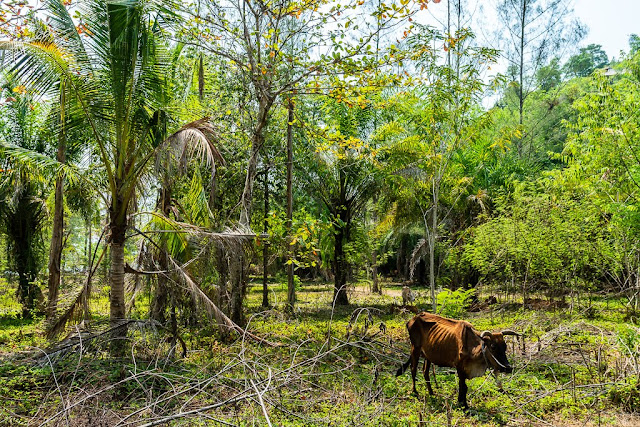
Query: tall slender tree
x=433, y=125
x=536, y=31
x=342, y=179
x=57, y=228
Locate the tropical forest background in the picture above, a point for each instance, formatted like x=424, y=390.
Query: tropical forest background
x=198, y=199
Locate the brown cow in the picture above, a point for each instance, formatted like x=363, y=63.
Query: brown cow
x=454, y=343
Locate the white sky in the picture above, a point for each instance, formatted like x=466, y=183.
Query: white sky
x=610, y=23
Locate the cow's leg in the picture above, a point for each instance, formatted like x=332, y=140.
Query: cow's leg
x=427, y=365
x=433, y=370
x=415, y=359
x=462, y=390
x=403, y=367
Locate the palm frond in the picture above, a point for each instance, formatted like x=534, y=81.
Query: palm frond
x=80, y=304
x=418, y=253
x=38, y=163
x=194, y=140
x=225, y=324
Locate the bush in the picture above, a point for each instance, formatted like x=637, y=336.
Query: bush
x=453, y=303
x=547, y=241
x=626, y=395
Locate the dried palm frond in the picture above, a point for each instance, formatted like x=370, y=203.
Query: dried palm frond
x=233, y=243
x=97, y=336
x=481, y=198
x=419, y=252
x=193, y=140
x=225, y=324
x=80, y=304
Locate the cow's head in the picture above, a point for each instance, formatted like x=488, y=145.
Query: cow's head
x=495, y=350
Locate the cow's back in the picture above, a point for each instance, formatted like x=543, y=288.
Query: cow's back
x=440, y=338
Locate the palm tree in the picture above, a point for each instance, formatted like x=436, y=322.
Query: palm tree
x=343, y=179
x=22, y=209
x=115, y=66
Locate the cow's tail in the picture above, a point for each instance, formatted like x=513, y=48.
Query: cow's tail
x=403, y=367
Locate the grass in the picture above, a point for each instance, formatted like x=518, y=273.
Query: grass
x=575, y=368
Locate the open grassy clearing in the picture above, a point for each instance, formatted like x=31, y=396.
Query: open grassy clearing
x=329, y=367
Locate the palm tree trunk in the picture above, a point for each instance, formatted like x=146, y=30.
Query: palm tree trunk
x=340, y=296
x=116, y=280
x=22, y=235
x=375, y=284
x=27, y=294
x=117, y=313
x=238, y=288
x=160, y=298
x=223, y=270
x=161, y=295
x=55, y=250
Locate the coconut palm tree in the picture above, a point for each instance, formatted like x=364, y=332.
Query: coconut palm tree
x=115, y=65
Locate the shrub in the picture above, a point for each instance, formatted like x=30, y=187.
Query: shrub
x=453, y=303
x=546, y=241
x=626, y=395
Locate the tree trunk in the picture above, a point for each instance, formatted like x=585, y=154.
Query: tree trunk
x=257, y=141
x=265, y=246
x=247, y=194
x=161, y=297
x=450, y=36
x=223, y=271
x=24, y=258
x=342, y=225
x=28, y=294
x=291, y=289
x=237, y=275
x=340, y=268
x=116, y=299
x=55, y=250
x=238, y=288
x=403, y=258
x=375, y=285
x=117, y=310
x=116, y=280
x=521, y=77
x=432, y=251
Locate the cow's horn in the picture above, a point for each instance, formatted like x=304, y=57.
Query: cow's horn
x=485, y=334
x=510, y=332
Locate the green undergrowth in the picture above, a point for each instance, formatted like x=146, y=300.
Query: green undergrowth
x=329, y=366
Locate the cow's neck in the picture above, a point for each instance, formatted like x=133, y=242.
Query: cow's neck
x=477, y=364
